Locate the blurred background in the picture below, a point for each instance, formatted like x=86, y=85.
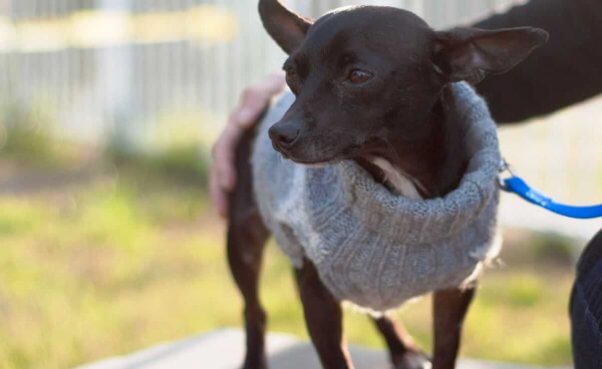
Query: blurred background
x=108, y=244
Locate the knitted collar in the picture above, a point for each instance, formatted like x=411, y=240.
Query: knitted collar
x=396, y=217
x=369, y=245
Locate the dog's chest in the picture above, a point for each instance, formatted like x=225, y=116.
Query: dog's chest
x=398, y=180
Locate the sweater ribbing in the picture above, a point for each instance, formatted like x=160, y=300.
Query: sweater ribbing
x=370, y=246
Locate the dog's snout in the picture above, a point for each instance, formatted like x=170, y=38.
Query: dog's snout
x=284, y=135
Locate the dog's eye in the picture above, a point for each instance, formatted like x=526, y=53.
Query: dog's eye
x=357, y=76
x=292, y=77
x=291, y=74
x=290, y=71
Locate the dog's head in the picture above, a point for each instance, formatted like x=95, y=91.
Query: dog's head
x=361, y=73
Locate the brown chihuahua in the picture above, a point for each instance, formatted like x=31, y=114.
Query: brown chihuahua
x=368, y=82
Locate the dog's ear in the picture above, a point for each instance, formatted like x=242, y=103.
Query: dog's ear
x=286, y=28
x=470, y=54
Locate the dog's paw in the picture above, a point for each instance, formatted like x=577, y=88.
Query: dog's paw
x=413, y=360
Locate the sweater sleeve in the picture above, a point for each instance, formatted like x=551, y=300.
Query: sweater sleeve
x=567, y=70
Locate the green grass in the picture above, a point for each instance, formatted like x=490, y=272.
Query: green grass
x=25, y=136
x=131, y=259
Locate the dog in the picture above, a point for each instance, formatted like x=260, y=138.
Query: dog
x=370, y=85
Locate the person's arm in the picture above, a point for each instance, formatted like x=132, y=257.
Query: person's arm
x=566, y=70
x=253, y=101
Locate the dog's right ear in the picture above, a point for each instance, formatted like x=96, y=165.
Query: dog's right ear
x=286, y=28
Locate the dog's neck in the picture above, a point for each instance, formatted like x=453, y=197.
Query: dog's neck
x=399, y=181
x=431, y=167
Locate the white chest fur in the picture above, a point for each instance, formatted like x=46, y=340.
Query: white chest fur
x=400, y=181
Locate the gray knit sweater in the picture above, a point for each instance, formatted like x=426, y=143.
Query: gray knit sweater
x=374, y=248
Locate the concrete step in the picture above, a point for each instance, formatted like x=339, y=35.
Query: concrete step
x=224, y=349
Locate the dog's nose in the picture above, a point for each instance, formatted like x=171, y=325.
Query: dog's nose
x=284, y=135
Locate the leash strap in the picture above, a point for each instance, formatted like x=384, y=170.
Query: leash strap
x=517, y=185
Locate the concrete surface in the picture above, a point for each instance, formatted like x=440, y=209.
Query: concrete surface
x=224, y=350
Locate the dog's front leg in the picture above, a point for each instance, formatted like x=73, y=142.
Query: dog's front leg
x=323, y=317
x=449, y=308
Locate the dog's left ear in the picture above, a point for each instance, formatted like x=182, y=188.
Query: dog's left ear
x=470, y=54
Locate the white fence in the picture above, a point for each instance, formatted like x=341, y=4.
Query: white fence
x=102, y=65
x=148, y=69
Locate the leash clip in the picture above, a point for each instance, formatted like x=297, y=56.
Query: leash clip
x=504, y=168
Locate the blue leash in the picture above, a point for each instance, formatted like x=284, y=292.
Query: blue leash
x=515, y=184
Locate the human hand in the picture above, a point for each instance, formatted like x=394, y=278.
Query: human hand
x=253, y=101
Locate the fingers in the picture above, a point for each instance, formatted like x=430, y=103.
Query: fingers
x=255, y=99
x=224, y=152
x=222, y=175
x=218, y=196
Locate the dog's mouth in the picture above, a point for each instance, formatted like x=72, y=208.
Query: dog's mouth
x=312, y=162
x=319, y=158
x=351, y=152
x=317, y=163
